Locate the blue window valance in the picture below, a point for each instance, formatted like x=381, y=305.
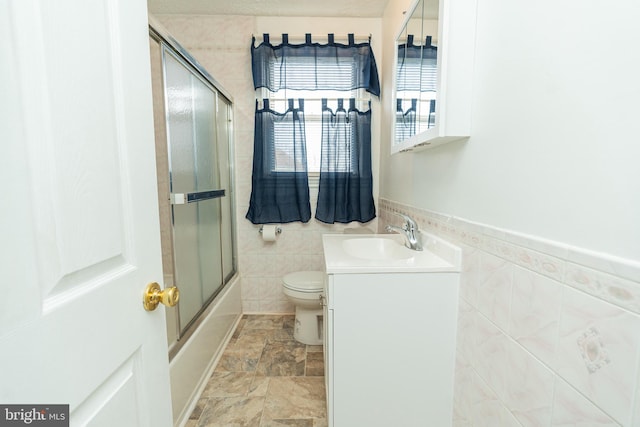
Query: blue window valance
x=332, y=63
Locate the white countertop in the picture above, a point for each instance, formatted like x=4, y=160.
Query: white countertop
x=437, y=256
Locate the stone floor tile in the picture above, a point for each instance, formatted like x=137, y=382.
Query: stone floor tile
x=259, y=321
x=295, y=397
x=259, y=380
x=314, y=366
x=259, y=386
x=314, y=349
x=239, y=360
x=289, y=322
x=300, y=422
x=239, y=327
x=228, y=384
x=284, y=358
x=197, y=411
x=232, y=412
x=320, y=422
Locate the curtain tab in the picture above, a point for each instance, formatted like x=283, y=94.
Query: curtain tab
x=340, y=105
x=352, y=104
x=410, y=40
x=352, y=39
x=307, y=38
x=285, y=38
x=265, y=38
x=301, y=104
x=331, y=38
x=265, y=104
x=290, y=102
x=427, y=41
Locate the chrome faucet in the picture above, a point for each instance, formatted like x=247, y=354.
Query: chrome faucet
x=413, y=238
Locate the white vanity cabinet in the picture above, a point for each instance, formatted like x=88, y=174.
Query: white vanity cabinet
x=390, y=331
x=390, y=347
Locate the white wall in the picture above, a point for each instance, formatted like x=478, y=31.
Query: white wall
x=556, y=128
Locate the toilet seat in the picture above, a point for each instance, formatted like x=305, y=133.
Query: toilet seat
x=304, y=281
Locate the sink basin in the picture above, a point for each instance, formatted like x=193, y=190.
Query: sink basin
x=386, y=253
x=376, y=248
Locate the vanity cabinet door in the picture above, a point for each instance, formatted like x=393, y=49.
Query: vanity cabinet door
x=327, y=324
x=392, y=349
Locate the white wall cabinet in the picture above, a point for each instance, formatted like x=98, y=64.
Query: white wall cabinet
x=390, y=348
x=451, y=119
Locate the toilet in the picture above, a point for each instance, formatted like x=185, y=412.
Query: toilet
x=303, y=289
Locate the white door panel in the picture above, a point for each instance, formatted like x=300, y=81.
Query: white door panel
x=79, y=225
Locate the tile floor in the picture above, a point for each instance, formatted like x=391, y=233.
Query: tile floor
x=264, y=379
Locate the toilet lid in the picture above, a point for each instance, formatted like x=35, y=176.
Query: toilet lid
x=304, y=281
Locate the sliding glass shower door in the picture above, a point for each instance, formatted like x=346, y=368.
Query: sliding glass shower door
x=197, y=188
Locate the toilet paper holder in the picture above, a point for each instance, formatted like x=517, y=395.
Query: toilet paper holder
x=278, y=230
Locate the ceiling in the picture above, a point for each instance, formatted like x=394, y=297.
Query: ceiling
x=319, y=8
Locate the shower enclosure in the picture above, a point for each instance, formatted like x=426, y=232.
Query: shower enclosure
x=193, y=137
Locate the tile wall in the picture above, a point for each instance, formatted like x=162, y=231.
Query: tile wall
x=548, y=335
x=222, y=45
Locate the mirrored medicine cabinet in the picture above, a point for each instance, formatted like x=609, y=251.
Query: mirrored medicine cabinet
x=433, y=74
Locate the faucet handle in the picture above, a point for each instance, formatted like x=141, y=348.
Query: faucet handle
x=410, y=223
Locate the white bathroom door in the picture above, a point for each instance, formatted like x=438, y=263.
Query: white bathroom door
x=79, y=233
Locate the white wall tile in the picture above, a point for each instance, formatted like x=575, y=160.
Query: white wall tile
x=494, y=292
x=271, y=289
x=488, y=410
x=598, y=352
x=276, y=306
x=616, y=290
x=466, y=334
x=571, y=409
x=491, y=355
x=560, y=303
x=528, y=388
x=469, y=279
x=463, y=396
x=535, y=313
x=251, y=288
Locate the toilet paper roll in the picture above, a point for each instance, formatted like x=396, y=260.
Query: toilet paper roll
x=269, y=233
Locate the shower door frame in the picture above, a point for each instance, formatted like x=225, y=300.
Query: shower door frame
x=166, y=41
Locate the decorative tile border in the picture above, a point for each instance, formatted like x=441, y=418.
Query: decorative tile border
x=612, y=279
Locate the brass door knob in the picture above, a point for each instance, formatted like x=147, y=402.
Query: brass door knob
x=153, y=296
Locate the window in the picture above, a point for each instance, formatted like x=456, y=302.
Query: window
x=284, y=159
x=304, y=126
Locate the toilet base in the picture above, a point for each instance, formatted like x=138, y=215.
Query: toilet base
x=308, y=326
